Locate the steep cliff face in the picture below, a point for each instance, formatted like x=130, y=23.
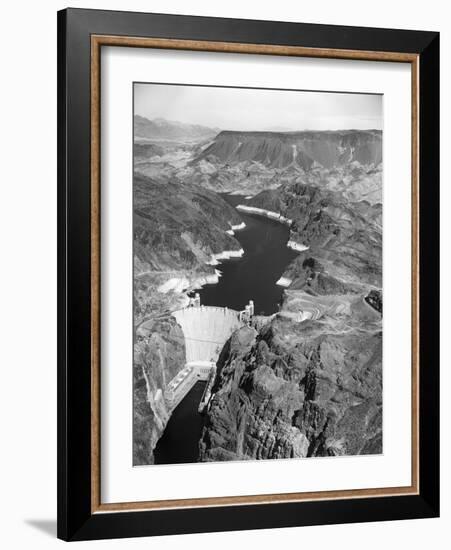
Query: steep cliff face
x=303, y=149
x=299, y=390
x=158, y=356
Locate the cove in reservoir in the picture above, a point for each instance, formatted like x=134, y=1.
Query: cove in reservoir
x=254, y=276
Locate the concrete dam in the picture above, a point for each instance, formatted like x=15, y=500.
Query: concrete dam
x=206, y=330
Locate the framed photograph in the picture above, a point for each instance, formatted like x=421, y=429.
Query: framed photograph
x=248, y=274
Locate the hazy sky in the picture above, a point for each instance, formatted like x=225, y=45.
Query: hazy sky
x=250, y=109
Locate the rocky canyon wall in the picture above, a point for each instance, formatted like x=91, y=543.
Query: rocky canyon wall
x=297, y=390
x=159, y=354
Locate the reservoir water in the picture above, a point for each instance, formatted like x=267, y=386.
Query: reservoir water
x=254, y=276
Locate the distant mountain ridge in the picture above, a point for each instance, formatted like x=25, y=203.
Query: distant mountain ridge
x=162, y=129
x=305, y=149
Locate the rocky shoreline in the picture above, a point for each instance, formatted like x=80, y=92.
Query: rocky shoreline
x=216, y=259
x=299, y=247
x=179, y=285
x=284, y=281
x=276, y=216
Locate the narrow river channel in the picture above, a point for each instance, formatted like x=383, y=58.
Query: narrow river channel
x=252, y=277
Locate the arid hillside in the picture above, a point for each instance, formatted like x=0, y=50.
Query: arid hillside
x=303, y=149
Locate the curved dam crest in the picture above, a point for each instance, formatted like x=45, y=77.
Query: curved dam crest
x=206, y=329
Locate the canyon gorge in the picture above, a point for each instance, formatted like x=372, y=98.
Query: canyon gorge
x=292, y=221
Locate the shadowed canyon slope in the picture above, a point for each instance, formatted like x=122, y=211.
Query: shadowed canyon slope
x=303, y=149
x=179, y=225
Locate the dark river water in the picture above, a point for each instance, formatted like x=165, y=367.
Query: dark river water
x=252, y=277
x=179, y=443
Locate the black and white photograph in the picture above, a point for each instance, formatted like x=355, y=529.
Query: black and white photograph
x=224, y=222
x=257, y=249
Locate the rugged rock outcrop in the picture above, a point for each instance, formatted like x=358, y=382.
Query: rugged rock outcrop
x=374, y=298
x=158, y=356
x=299, y=389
